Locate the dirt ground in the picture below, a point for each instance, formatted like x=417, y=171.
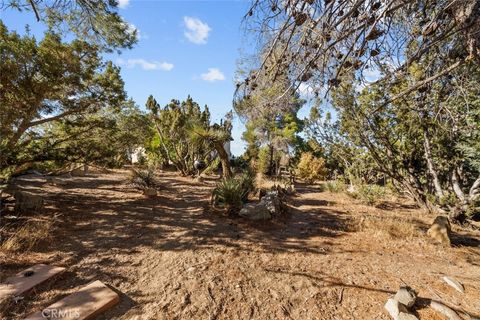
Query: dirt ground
x=173, y=258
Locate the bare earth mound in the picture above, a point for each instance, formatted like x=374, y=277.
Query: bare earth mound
x=169, y=257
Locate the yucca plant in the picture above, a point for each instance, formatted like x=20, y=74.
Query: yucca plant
x=233, y=191
x=247, y=185
x=216, y=137
x=142, y=179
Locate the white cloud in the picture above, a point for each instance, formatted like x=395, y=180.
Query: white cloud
x=123, y=3
x=308, y=91
x=305, y=89
x=146, y=65
x=133, y=28
x=372, y=74
x=213, y=75
x=197, y=30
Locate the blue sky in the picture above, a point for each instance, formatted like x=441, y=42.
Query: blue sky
x=185, y=47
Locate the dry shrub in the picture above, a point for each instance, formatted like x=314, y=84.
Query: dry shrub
x=389, y=227
x=311, y=168
x=28, y=236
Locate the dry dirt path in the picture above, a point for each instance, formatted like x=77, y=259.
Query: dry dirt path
x=170, y=258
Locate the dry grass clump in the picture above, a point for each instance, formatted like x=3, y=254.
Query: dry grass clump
x=28, y=235
x=388, y=227
x=263, y=182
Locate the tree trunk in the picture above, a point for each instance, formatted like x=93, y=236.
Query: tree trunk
x=227, y=172
x=431, y=167
x=456, y=186
x=271, y=170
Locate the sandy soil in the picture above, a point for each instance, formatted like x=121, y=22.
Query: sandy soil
x=172, y=258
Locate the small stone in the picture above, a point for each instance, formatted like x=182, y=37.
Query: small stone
x=394, y=308
x=440, y=230
x=454, y=284
x=406, y=296
x=398, y=311
x=446, y=311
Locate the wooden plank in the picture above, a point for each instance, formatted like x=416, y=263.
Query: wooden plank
x=27, y=279
x=86, y=303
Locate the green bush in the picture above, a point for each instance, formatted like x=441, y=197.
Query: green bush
x=232, y=192
x=212, y=167
x=263, y=162
x=311, y=168
x=370, y=194
x=336, y=186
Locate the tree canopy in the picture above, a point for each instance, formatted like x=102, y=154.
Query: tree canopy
x=94, y=21
x=49, y=81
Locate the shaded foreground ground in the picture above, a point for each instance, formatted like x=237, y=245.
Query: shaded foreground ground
x=170, y=258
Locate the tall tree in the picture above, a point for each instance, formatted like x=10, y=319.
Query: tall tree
x=425, y=142
x=172, y=124
x=270, y=112
x=49, y=81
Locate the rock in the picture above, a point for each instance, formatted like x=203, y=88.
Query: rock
x=398, y=311
x=26, y=201
x=273, y=200
x=406, y=296
x=269, y=206
x=454, y=284
x=150, y=192
x=394, y=308
x=440, y=230
x=444, y=310
x=255, y=211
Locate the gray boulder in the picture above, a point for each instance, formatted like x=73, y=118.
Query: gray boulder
x=406, y=296
x=255, y=211
x=269, y=206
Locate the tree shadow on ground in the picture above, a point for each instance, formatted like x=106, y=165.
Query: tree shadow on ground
x=101, y=217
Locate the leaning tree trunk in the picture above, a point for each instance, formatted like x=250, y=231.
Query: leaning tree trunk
x=431, y=166
x=227, y=172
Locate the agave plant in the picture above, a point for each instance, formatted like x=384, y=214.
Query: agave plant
x=142, y=179
x=231, y=192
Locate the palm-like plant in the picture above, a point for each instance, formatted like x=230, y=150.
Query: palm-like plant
x=216, y=136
